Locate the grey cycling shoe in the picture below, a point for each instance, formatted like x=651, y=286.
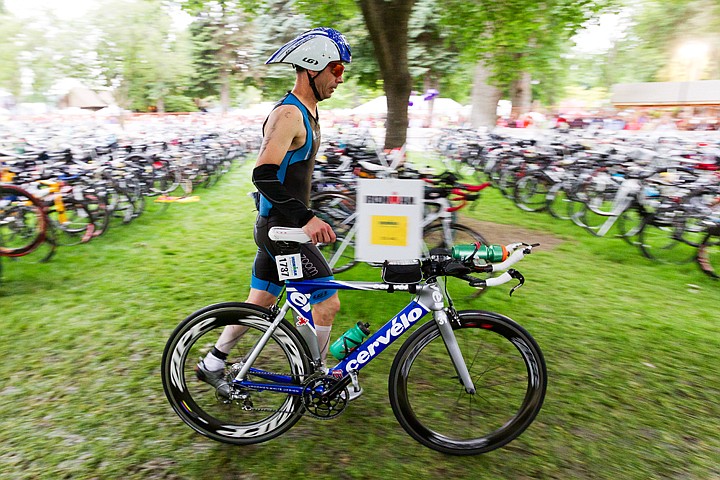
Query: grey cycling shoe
x=216, y=378
x=354, y=393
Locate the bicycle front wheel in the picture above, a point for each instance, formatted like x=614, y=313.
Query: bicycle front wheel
x=248, y=416
x=659, y=240
x=506, y=366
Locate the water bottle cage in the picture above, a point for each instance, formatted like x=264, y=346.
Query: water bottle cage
x=347, y=349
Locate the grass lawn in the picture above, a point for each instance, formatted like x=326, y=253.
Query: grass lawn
x=632, y=349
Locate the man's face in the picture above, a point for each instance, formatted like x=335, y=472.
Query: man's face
x=329, y=78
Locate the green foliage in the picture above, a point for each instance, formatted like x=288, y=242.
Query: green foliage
x=10, y=48
x=179, y=103
x=223, y=53
x=650, y=48
x=139, y=52
x=513, y=37
x=135, y=48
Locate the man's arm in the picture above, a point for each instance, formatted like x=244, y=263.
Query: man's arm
x=285, y=130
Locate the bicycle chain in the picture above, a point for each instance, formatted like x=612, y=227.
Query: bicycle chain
x=305, y=412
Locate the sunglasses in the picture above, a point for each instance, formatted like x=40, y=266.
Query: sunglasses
x=336, y=68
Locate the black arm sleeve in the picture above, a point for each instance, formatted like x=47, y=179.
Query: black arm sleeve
x=265, y=179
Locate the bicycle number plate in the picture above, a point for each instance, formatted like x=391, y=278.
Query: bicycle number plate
x=289, y=267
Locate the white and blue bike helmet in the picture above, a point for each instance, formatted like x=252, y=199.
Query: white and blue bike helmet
x=314, y=49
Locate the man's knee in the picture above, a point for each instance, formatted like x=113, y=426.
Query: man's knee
x=329, y=307
x=261, y=298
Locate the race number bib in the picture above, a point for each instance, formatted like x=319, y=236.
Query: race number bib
x=289, y=267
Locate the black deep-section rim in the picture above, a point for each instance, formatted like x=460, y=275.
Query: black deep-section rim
x=530, y=407
x=207, y=425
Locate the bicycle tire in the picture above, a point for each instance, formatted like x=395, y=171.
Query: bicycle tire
x=77, y=227
x=165, y=177
x=434, y=236
x=23, y=222
x=508, y=371
x=196, y=402
x=598, y=194
x=658, y=240
x=691, y=214
x=630, y=222
x=708, y=256
x=531, y=191
x=557, y=200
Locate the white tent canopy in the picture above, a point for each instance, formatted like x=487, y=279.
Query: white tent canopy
x=441, y=106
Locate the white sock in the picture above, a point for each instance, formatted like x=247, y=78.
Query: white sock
x=213, y=363
x=323, y=336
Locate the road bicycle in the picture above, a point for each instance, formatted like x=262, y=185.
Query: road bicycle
x=625, y=198
x=465, y=382
x=673, y=233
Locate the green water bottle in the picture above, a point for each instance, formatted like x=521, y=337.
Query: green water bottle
x=490, y=253
x=350, y=340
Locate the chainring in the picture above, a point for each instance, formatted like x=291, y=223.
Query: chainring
x=320, y=406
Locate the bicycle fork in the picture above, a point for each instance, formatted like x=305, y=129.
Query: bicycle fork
x=446, y=332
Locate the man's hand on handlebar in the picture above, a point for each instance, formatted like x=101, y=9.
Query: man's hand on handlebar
x=319, y=231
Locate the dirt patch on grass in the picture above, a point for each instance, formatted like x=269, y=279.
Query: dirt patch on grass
x=504, y=234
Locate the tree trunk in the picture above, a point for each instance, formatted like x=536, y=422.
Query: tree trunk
x=224, y=90
x=430, y=82
x=387, y=22
x=484, y=98
x=521, y=95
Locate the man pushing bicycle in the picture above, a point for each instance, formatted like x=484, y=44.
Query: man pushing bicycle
x=282, y=176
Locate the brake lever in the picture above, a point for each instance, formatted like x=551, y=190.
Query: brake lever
x=518, y=276
x=529, y=247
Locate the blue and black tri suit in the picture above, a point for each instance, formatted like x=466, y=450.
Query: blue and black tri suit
x=284, y=197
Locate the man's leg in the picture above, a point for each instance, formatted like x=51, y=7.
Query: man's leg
x=323, y=314
x=214, y=361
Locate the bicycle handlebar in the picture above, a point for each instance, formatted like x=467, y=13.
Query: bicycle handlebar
x=459, y=263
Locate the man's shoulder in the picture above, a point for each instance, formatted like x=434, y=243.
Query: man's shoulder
x=286, y=113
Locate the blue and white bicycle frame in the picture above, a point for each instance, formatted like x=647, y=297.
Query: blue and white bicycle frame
x=428, y=298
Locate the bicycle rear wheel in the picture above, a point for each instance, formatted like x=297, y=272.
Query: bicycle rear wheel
x=23, y=222
x=250, y=416
x=506, y=366
x=557, y=200
x=75, y=224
